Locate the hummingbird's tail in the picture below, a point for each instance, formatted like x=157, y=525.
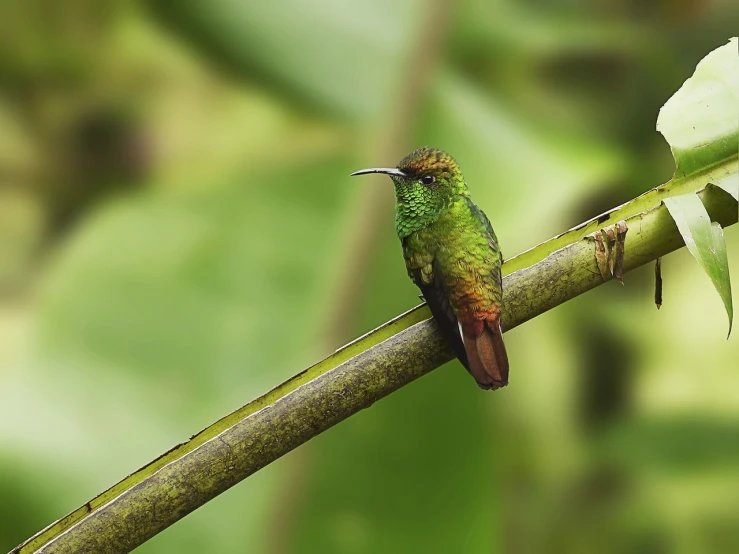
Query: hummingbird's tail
x=487, y=359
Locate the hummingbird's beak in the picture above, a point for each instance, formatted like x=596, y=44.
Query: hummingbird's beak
x=386, y=170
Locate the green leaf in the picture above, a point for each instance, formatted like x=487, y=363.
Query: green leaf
x=705, y=242
x=701, y=124
x=701, y=120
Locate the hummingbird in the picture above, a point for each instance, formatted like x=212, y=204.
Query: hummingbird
x=452, y=255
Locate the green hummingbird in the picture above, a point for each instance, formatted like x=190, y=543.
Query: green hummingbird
x=452, y=255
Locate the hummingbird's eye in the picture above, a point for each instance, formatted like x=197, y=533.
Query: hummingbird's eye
x=427, y=180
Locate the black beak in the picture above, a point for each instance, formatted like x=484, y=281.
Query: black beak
x=386, y=170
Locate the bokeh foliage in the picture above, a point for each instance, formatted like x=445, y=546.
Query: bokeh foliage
x=174, y=206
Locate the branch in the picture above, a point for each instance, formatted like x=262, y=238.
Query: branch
x=359, y=374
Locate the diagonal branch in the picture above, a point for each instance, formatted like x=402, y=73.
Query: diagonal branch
x=359, y=374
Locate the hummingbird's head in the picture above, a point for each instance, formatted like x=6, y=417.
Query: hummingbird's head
x=426, y=178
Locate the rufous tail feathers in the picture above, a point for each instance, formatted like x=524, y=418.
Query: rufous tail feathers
x=486, y=355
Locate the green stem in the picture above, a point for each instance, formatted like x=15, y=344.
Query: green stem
x=353, y=378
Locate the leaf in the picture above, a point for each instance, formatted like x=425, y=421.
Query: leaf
x=701, y=120
x=701, y=124
x=705, y=241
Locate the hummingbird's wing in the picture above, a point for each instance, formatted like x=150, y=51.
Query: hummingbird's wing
x=437, y=300
x=483, y=340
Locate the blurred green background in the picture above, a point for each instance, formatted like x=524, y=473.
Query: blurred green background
x=178, y=234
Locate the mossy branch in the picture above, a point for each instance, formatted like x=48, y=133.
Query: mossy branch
x=362, y=372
